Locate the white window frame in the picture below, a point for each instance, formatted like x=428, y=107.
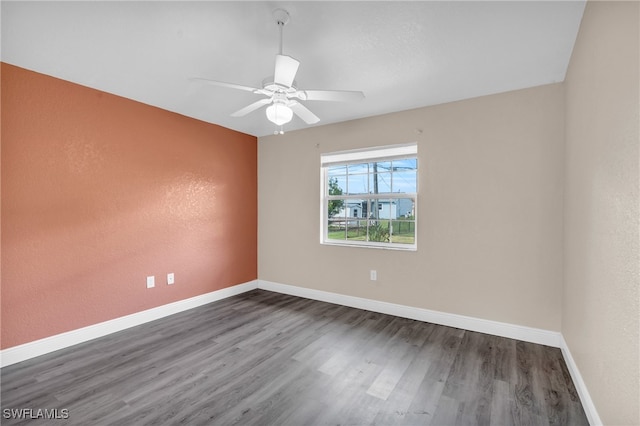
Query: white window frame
x=376, y=154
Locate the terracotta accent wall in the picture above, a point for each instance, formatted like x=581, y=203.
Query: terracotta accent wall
x=99, y=191
x=601, y=303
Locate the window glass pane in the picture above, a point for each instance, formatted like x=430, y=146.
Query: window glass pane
x=336, y=229
x=358, y=184
x=362, y=168
x=380, y=166
x=403, y=231
x=405, y=208
x=404, y=182
x=337, y=185
x=406, y=164
x=386, y=209
x=374, y=209
x=354, y=208
x=336, y=170
x=336, y=209
x=381, y=182
x=357, y=229
x=366, y=208
x=378, y=231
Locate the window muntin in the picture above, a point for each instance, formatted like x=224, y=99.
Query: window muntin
x=371, y=200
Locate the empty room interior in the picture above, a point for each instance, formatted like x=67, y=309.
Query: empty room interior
x=391, y=213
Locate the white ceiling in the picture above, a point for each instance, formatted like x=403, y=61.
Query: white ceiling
x=402, y=55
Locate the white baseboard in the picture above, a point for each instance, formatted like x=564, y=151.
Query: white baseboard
x=60, y=341
x=518, y=332
x=587, y=403
x=36, y=348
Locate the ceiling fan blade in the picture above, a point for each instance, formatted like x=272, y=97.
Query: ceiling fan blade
x=286, y=69
x=223, y=84
x=333, y=95
x=302, y=112
x=252, y=107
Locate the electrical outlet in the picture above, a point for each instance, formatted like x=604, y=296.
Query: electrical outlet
x=373, y=275
x=171, y=279
x=151, y=281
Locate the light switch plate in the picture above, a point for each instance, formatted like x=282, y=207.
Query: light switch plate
x=151, y=281
x=170, y=278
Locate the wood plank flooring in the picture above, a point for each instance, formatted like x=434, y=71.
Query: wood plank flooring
x=264, y=358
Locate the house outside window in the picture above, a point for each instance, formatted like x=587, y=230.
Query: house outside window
x=370, y=197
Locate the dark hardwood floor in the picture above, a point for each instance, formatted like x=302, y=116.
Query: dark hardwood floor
x=264, y=358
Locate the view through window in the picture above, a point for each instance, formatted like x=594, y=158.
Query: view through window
x=370, y=197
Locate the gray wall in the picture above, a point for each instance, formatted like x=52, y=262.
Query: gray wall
x=489, y=212
x=601, y=317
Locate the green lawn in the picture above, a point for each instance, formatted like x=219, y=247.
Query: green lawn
x=404, y=232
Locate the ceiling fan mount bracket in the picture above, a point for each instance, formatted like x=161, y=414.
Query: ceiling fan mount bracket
x=282, y=17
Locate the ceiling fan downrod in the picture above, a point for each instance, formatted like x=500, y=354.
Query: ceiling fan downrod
x=282, y=18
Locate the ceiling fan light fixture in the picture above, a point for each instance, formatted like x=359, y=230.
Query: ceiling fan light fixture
x=279, y=114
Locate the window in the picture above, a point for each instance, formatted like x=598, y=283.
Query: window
x=369, y=197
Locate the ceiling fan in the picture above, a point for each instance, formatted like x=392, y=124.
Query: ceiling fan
x=282, y=95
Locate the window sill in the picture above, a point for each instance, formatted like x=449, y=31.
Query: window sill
x=371, y=246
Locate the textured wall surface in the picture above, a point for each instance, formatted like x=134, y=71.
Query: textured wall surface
x=601, y=313
x=489, y=209
x=99, y=191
